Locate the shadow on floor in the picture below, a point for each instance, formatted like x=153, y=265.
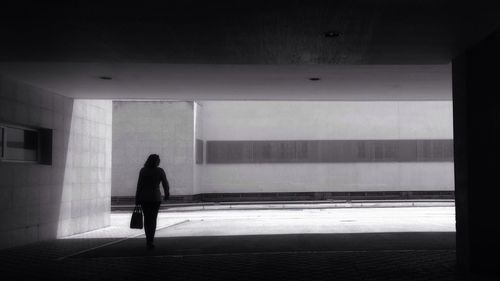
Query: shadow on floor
x=340, y=242
x=363, y=256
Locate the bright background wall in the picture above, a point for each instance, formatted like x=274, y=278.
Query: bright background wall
x=171, y=128
x=310, y=120
x=328, y=120
x=141, y=128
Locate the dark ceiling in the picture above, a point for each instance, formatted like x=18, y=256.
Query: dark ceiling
x=245, y=32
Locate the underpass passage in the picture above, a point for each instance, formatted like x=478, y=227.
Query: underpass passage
x=232, y=232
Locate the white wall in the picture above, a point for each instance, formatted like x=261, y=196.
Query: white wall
x=39, y=202
x=343, y=120
x=86, y=196
x=313, y=177
x=282, y=120
x=159, y=127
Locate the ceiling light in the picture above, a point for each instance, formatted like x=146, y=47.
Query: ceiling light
x=332, y=34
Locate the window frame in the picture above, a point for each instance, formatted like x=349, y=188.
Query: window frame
x=3, y=157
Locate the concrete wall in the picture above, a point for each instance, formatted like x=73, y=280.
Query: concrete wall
x=86, y=196
x=281, y=120
x=143, y=128
x=72, y=195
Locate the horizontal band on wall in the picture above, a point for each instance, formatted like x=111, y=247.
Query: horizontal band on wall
x=296, y=196
x=329, y=151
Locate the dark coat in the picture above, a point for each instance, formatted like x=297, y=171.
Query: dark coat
x=148, y=185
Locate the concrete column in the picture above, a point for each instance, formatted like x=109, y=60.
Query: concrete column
x=476, y=111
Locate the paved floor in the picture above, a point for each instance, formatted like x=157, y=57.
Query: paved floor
x=326, y=244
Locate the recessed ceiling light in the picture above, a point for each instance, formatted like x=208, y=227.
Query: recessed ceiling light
x=332, y=34
x=105, y=77
x=314, y=78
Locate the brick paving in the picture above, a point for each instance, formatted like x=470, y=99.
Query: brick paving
x=39, y=262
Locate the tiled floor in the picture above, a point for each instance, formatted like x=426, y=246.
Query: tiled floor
x=40, y=262
x=107, y=254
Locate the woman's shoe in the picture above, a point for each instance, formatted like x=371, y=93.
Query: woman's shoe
x=150, y=245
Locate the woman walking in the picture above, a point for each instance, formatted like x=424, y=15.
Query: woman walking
x=148, y=194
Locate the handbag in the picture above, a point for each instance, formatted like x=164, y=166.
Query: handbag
x=136, y=220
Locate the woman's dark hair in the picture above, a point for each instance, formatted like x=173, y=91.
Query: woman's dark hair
x=153, y=161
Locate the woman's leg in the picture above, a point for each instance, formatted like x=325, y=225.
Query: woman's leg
x=155, y=207
x=150, y=211
x=147, y=211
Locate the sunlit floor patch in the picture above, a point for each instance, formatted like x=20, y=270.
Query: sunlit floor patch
x=353, y=220
x=266, y=222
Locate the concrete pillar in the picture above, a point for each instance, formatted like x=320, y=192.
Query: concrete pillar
x=476, y=111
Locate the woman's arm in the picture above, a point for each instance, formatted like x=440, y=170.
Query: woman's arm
x=139, y=186
x=164, y=183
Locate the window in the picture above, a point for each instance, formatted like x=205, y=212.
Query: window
x=19, y=144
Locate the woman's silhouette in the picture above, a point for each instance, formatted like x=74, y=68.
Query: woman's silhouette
x=148, y=194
